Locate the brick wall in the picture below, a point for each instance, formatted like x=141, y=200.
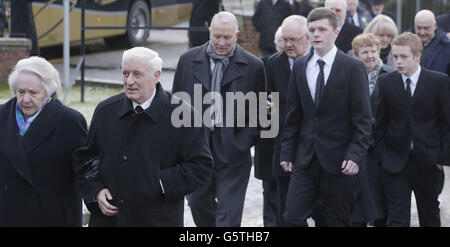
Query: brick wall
x=11, y=51
x=248, y=36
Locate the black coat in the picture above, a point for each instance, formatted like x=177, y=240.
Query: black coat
x=443, y=22
x=37, y=185
x=346, y=36
x=369, y=204
x=340, y=128
x=245, y=74
x=267, y=19
x=426, y=120
x=278, y=72
x=202, y=11
x=136, y=152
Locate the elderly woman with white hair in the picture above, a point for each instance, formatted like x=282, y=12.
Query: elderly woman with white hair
x=39, y=135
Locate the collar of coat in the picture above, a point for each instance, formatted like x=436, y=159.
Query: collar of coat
x=154, y=111
x=39, y=130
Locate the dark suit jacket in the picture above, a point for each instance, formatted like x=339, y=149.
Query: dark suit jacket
x=202, y=11
x=136, y=152
x=340, y=128
x=37, y=183
x=278, y=72
x=346, y=36
x=245, y=73
x=426, y=120
x=267, y=19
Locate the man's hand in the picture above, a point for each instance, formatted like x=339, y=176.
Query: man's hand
x=287, y=166
x=440, y=167
x=270, y=107
x=102, y=198
x=349, y=167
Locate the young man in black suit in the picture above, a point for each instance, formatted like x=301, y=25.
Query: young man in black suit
x=413, y=119
x=327, y=129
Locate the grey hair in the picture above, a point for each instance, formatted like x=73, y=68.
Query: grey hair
x=382, y=23
x=300, y=20
x=278, y=35
x=42, y=68
x=225, y=17
x=344, y=2
x=154, y=61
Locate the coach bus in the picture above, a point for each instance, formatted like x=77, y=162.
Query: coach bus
x=48, y=15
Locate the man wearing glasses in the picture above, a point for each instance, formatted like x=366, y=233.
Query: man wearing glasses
x=278, y=67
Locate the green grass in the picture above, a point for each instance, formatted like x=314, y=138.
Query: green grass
x=92, y=96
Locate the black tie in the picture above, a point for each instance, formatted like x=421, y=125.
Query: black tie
x=138, y=109
x=350, y=19
x=320, y=83
x=408, y=90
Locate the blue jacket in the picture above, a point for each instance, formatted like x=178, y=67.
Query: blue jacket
x=436, y=55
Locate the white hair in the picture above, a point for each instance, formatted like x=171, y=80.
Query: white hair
x=278, y=35
x=154, y=61
x=343, y=2
x=225, y=17
x=299, y=20
x=42, y=68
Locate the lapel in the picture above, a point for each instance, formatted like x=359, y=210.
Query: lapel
x=201, y=67
x=47, y=120
x=12, y=144
x=399, y=87
x=332, y=78
x=420, y=87
x=235, y=67
x=284, y=61
x=303, y=80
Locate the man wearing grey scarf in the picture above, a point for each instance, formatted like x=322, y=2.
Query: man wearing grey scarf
x=218, y=67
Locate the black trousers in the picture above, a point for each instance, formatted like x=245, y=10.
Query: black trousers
x=270, y=204
x=282, y=189
x=220, y=202
x=309, y=184
x=421, y=178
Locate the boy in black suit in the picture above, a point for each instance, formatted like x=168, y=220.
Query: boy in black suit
x=413, y=119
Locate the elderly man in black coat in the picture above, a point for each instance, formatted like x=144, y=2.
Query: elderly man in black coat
x=147, y=161
x=222, y=67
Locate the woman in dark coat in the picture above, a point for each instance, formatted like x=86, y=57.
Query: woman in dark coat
x=38, y=137
x=370, y=204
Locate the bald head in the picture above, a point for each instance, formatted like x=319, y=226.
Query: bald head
x=425, y=25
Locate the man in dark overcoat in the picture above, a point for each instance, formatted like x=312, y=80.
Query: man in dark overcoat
x=147, y=163
x=219, y=67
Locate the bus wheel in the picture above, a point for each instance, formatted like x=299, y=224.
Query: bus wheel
x=138, y=15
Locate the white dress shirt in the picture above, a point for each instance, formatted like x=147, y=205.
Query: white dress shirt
x=356, y=19
x=147, y=103
x=414, y=79
x=291, y=62
x=313, y=69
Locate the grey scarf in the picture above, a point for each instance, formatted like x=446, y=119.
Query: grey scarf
x=222, y=63
x=373, y=76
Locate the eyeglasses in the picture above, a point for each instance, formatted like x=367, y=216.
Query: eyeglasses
x=293, y=41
